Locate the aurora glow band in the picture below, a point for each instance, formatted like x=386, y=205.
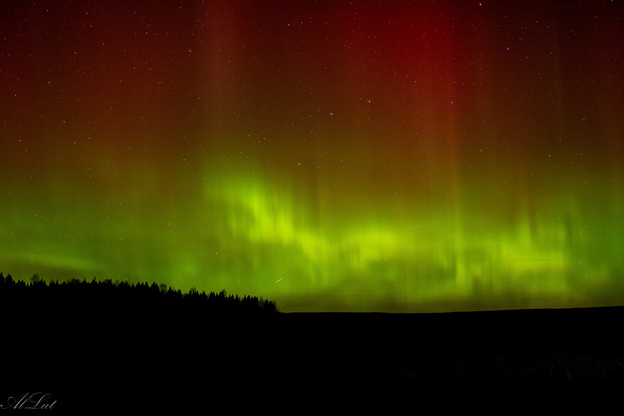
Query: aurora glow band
x=406, y=156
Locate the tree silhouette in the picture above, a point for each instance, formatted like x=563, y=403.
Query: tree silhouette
x=106, y=296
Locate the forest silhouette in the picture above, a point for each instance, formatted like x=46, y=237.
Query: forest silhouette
x=108, y=344
x=101, y=297
x=89, y=341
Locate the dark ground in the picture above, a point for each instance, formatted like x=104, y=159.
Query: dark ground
x=150, y=361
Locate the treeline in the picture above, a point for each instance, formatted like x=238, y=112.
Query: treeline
x=107, y=296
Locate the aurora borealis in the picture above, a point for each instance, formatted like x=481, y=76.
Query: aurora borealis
x=331, y=155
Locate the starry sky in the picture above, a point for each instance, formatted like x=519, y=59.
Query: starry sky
x=398, y=156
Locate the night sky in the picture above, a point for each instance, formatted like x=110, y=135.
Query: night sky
x=331, y=156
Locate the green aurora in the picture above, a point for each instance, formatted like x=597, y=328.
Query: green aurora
x=339, y=158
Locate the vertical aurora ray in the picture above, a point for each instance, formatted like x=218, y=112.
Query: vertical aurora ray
x=407, y=156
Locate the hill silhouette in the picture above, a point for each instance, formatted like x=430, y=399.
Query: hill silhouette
x=101, y=345
x=105, y=297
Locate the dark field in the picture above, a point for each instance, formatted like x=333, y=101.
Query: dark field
x=159, y=358
x=126, y=362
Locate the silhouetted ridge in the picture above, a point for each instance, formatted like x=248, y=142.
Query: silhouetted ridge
x=105, y=297
x=134, y=345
